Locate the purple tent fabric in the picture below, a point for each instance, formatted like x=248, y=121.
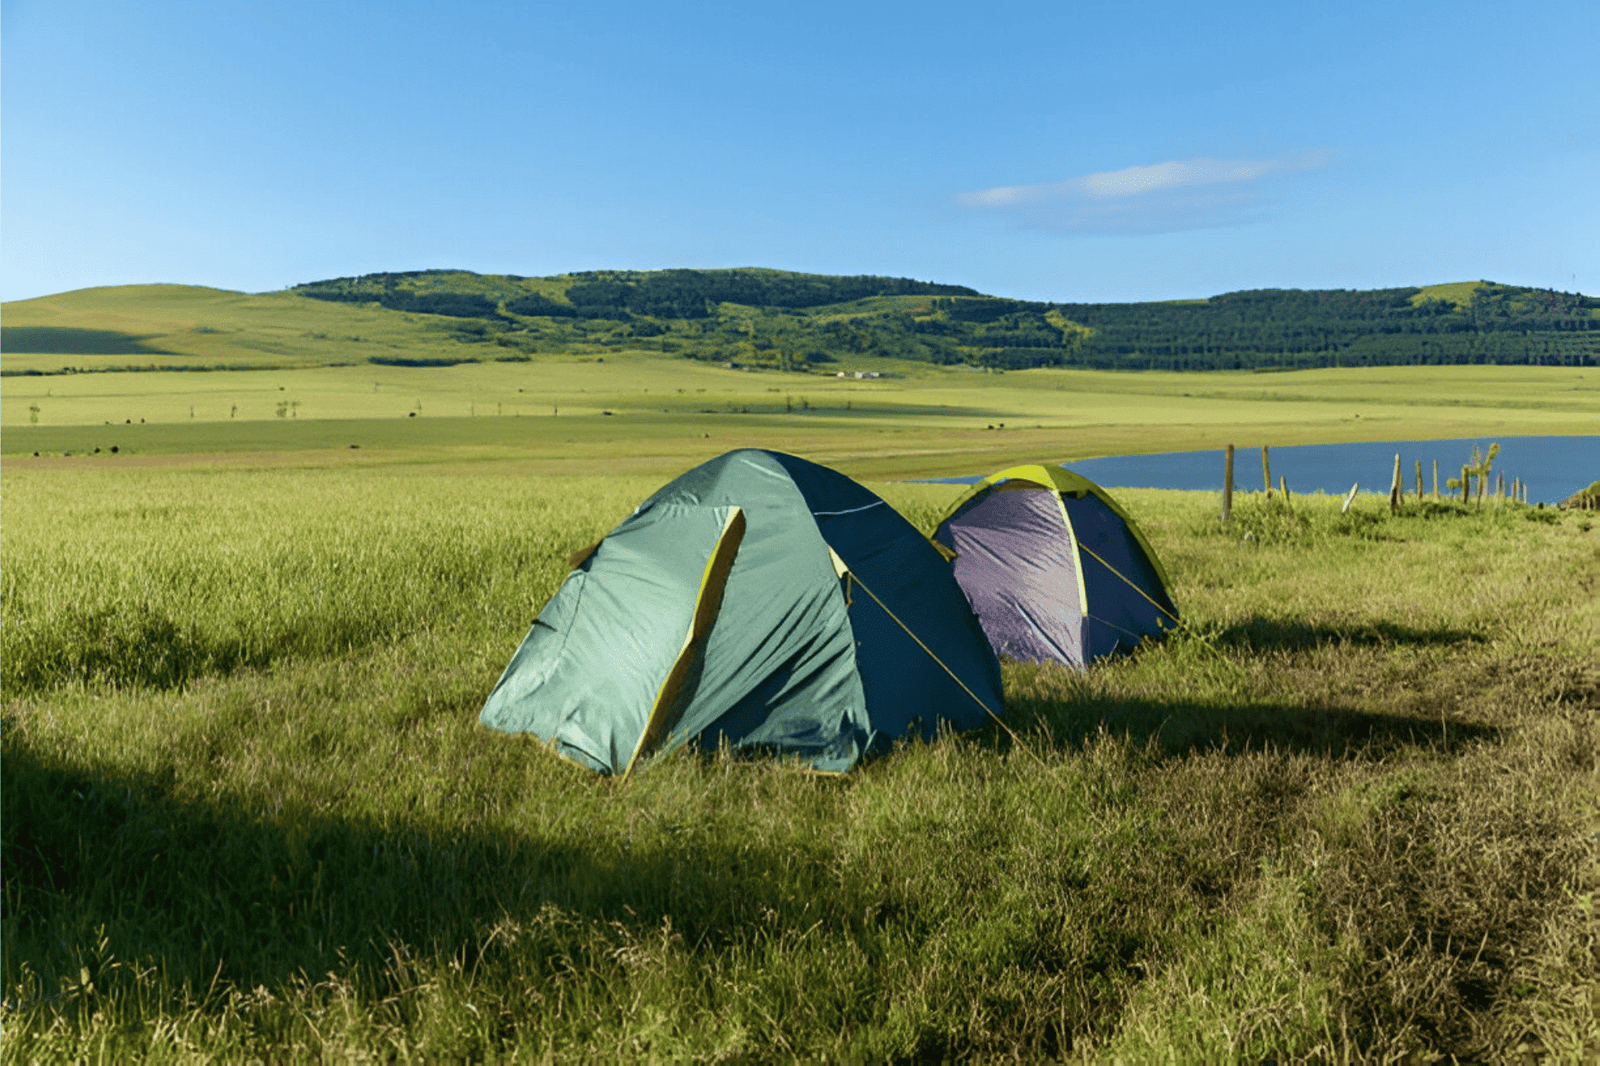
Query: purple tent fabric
x=1015, y=562
x=1055, y=576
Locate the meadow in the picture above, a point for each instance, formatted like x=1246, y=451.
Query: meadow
x=1544, y=399
x=1348, y=812
x=647, y=412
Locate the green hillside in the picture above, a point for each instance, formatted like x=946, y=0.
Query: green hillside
x=189, y=327
x=785, y=320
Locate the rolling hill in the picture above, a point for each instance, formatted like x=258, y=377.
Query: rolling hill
x=782, y=319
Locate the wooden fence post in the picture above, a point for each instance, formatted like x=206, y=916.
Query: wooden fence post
x=1348, y=500
x=1266, y=474
x=1396, y=487
x=1419, y=480
x=1436, y=479
x=1283, y=489
x=1227, y=484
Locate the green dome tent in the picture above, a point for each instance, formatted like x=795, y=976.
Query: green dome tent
x=1054, y=569
x=758, y=600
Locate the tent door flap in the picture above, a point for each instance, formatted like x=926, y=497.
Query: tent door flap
x=664, y=713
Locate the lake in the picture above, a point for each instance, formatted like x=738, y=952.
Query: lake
x=1552, y=467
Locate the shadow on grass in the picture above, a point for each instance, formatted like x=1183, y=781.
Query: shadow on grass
x=1179, y=727
x=61, y=340
x=201, y=889
x=1272, y=634
x=1071, y=706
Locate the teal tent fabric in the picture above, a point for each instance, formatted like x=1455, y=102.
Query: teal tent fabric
x=827, y=627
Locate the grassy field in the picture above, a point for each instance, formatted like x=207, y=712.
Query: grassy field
x=1348, y=812
x=647, y=383
x=663, y=414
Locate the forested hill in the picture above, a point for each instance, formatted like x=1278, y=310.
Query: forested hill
x=779, y=318
x=616, y=294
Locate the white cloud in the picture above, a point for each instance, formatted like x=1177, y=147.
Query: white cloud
x=1160, y=198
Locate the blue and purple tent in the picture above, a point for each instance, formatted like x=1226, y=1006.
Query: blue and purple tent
x=1054, y=569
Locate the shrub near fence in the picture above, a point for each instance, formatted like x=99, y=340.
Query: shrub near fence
x=1586, y=500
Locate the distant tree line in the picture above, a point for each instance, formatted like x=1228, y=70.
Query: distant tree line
x=453, y=304
x=1278, y=327
x=1289, y=328
x=685, y=294
x=696, y=293
x=398, y=360
x=768, y=316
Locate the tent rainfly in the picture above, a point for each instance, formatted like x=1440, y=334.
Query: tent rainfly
x=758, y=600
x=1055, y=570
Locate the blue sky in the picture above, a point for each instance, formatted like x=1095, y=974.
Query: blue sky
x=1066, y=151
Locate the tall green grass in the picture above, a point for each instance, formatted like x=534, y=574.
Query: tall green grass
x=171, y=583
x=1347, y=811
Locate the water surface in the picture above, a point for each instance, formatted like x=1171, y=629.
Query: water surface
x=1552, y=467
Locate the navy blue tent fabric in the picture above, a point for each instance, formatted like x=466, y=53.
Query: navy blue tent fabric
x=1115, y=571
x=915, y=642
